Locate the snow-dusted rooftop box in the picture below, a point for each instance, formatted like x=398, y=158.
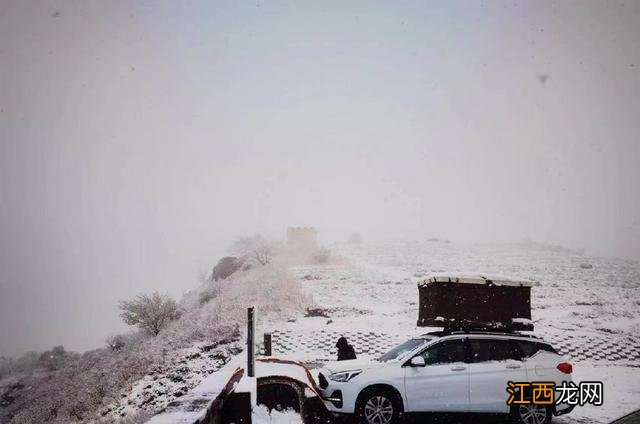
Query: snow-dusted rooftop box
x=475, y=301
x=477, y=279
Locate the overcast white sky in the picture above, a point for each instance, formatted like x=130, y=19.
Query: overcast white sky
x=137, y=139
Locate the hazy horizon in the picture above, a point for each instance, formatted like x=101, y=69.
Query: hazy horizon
x=138, y=139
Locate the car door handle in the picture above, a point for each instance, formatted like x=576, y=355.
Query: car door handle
x=514, y=366
x=458, y=368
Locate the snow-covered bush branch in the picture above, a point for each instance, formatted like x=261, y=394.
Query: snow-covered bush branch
x=256, y=249
x=150, y=313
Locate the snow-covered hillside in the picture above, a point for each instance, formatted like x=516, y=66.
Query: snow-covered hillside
x=137, y=379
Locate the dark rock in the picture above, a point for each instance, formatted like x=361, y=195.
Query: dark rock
x=226, y=267
x=176, y=378
x=149, y=399
x=316, y=312
x=181, y=391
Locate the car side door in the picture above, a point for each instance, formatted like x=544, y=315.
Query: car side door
x=493, y=363
x=442, y=384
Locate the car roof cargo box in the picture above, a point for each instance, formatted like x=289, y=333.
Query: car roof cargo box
x=475, y=302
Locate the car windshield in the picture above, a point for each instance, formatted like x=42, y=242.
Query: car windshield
x=402, y=349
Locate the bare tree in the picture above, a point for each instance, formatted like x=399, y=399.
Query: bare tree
x=150, y=313
x=256, y=248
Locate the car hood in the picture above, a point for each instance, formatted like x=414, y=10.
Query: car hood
x=352, y=364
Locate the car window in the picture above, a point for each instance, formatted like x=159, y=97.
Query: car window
x=530, y=348
x=445, y=352
x=486, y=350
x=402, y=349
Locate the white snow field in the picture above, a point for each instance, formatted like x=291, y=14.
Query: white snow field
x=588, y=307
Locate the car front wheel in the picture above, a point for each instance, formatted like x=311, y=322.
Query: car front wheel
x=378, y=408
x=531, y=414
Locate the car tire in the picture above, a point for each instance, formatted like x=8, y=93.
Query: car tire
x=531, y=414
x=379, y=407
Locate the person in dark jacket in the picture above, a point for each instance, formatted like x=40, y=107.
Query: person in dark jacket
x=345, y=350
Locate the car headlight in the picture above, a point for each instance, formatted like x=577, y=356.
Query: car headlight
x=344, y=376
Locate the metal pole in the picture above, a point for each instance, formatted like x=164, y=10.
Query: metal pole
x=267, y=344
x=251, y=326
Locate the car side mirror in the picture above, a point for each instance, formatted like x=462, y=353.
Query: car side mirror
x=418, y=361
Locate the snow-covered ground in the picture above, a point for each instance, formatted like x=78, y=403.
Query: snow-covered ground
x=379, y=282
x=374, y=289
x=181, y=371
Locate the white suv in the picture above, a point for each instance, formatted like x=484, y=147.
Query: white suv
x=446, y=372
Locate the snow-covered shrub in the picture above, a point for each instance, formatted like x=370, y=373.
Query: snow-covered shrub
x=272, y=289
x=208, y=291
x=206, y=296
x=127, y=342
x=30, y=362
x=115, y=343
x=56, y=358
x=76, y=392
x=254, y=249
x=151, y=313
x=6, y=366
x=27, y=362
